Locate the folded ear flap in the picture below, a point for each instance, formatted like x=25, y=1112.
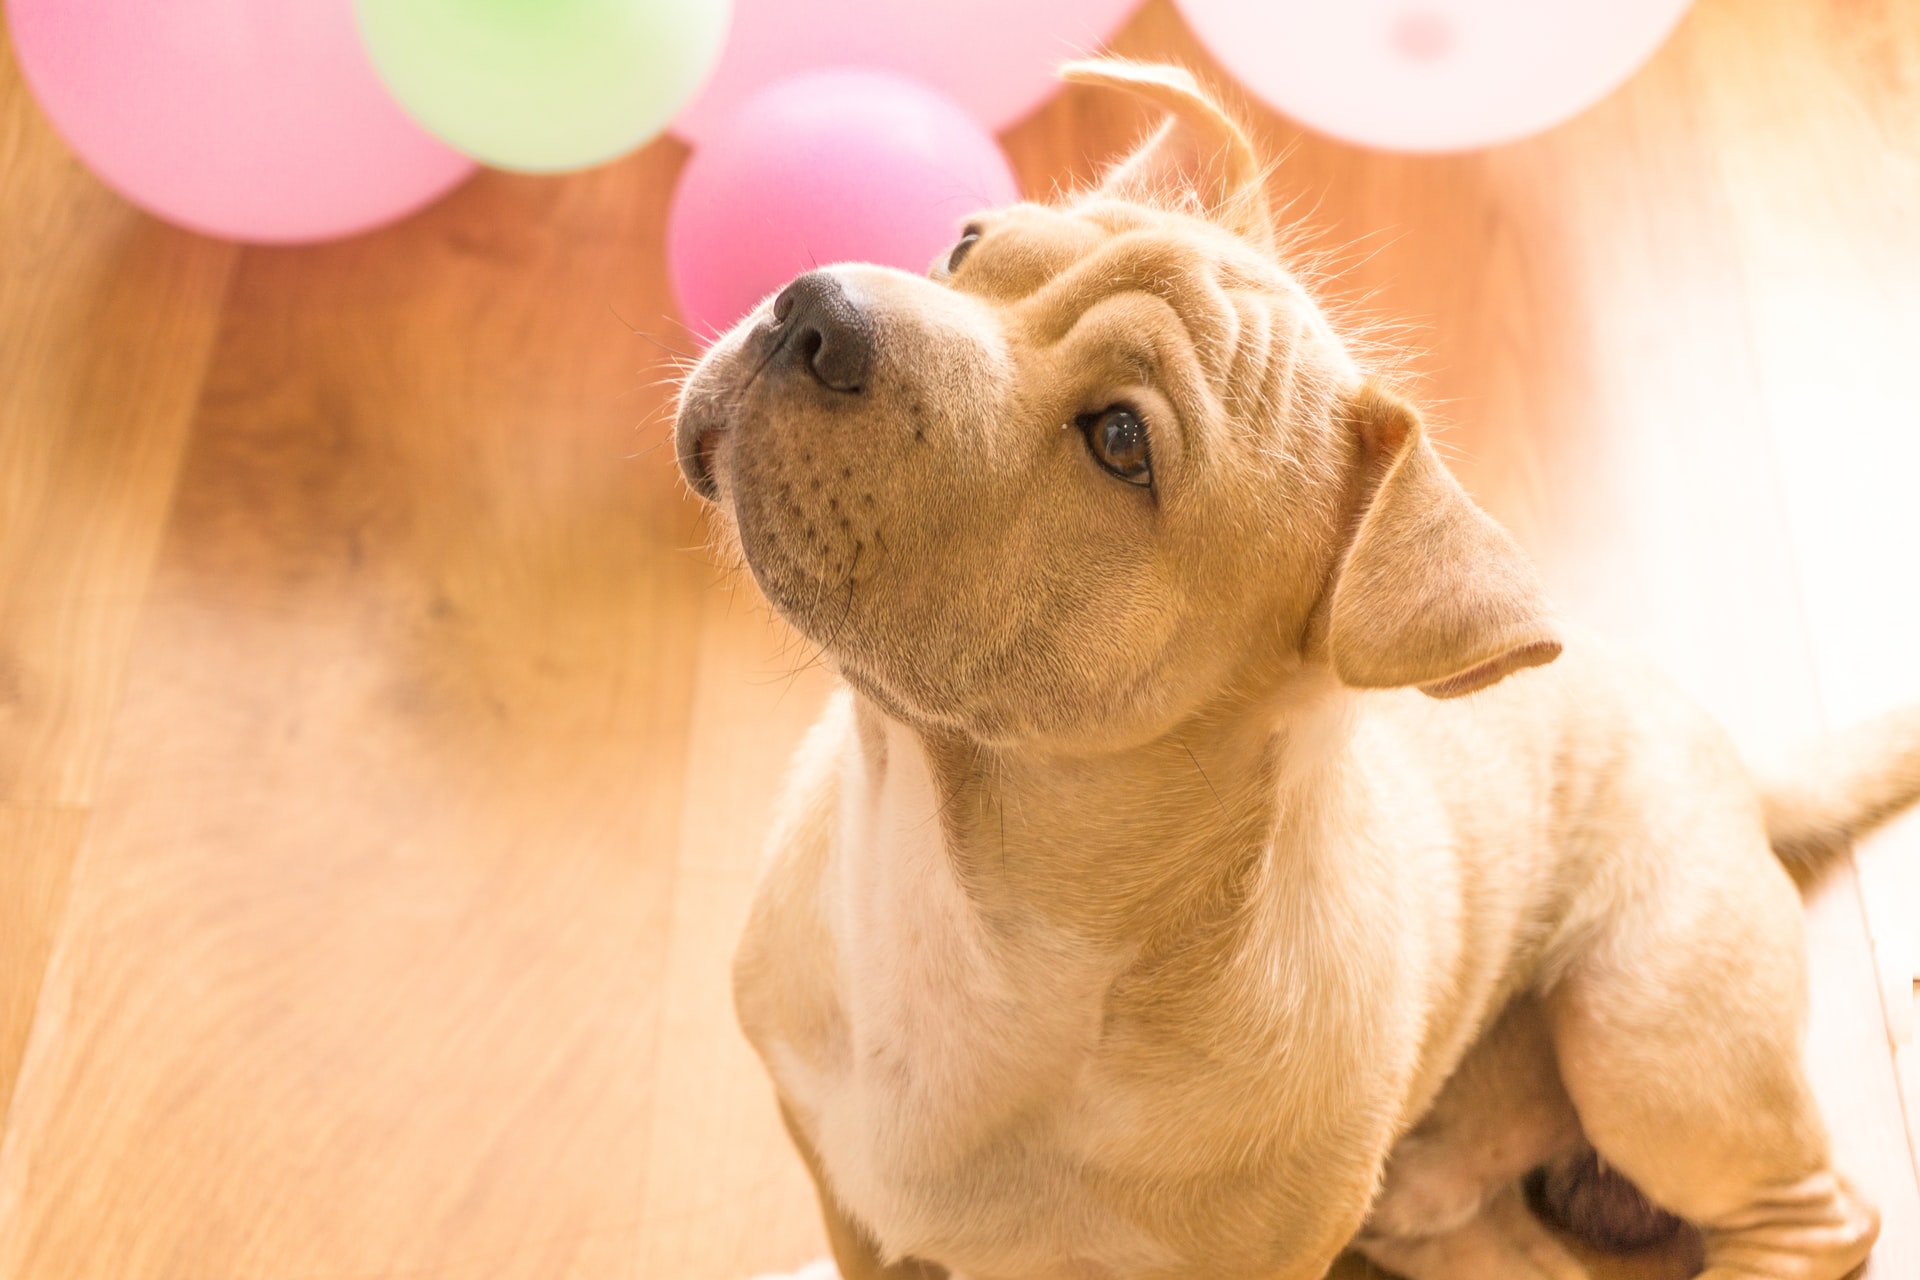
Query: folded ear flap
x=1200, y=156
x=1431, y=593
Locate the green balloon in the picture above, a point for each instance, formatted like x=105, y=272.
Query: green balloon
x=543, y=85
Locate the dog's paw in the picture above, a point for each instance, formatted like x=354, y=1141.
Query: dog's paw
x=821, y=1270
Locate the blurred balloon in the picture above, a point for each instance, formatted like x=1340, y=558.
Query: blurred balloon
x=544, y=85
x=993, y=57
x=1432, y=75
x=252, y=120
x=827, y=166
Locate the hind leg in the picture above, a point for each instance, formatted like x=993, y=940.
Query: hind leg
x=1678, y=1035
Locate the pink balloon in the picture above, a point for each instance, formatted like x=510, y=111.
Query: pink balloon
x=993, y=57
x=829, y=166
x=251, y=120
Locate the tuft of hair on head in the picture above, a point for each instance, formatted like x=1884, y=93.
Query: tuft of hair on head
x=1200, y=159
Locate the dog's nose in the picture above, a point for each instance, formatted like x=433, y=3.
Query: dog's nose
x=822, y=329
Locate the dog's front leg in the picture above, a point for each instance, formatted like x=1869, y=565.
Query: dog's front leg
x=854, y=1251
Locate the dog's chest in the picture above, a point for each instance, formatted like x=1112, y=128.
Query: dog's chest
x=962, y=1105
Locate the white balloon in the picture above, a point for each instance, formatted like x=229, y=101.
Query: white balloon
x=1432, y=75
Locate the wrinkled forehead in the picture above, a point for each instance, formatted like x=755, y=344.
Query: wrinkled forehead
x=1034, y=245
x=1220, y=325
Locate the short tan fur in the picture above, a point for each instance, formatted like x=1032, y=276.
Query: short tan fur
x=1204, y=876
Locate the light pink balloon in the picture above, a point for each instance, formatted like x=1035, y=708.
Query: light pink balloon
x=829, y=166
x=254, y=120
x=993, y=57
x=1432, y=75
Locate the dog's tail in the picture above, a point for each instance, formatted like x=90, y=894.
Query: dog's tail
x=1842, y=788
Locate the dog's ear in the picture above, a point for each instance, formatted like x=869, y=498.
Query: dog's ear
x=1431, y=592
x=1200, y=155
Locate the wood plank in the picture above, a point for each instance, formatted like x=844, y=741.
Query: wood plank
x=363, y=962
x=106, y=320
x=725, y=1194
x=1890, y=886
x=37, y=847
x=1821, y=158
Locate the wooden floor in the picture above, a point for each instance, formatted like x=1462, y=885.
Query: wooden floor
x=382, y=760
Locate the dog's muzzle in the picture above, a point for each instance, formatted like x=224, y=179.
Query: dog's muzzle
x=816, y=331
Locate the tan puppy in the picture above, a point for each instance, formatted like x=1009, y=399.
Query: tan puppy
x=1143, y=906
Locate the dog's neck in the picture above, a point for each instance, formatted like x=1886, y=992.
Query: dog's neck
x=991, y=904
x=1122, y=846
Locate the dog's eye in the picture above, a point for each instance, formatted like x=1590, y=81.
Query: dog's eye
x=961, y=250
x=1117, y=438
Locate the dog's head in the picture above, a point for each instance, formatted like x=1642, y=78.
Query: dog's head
x=1105, y=465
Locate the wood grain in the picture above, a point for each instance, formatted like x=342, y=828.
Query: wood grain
x=383, y=758
x=37, y=846
x=106, y=322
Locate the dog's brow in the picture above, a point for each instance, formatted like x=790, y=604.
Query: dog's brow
x=1133, y=263
x=1207, y=294
x=1247, y=328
